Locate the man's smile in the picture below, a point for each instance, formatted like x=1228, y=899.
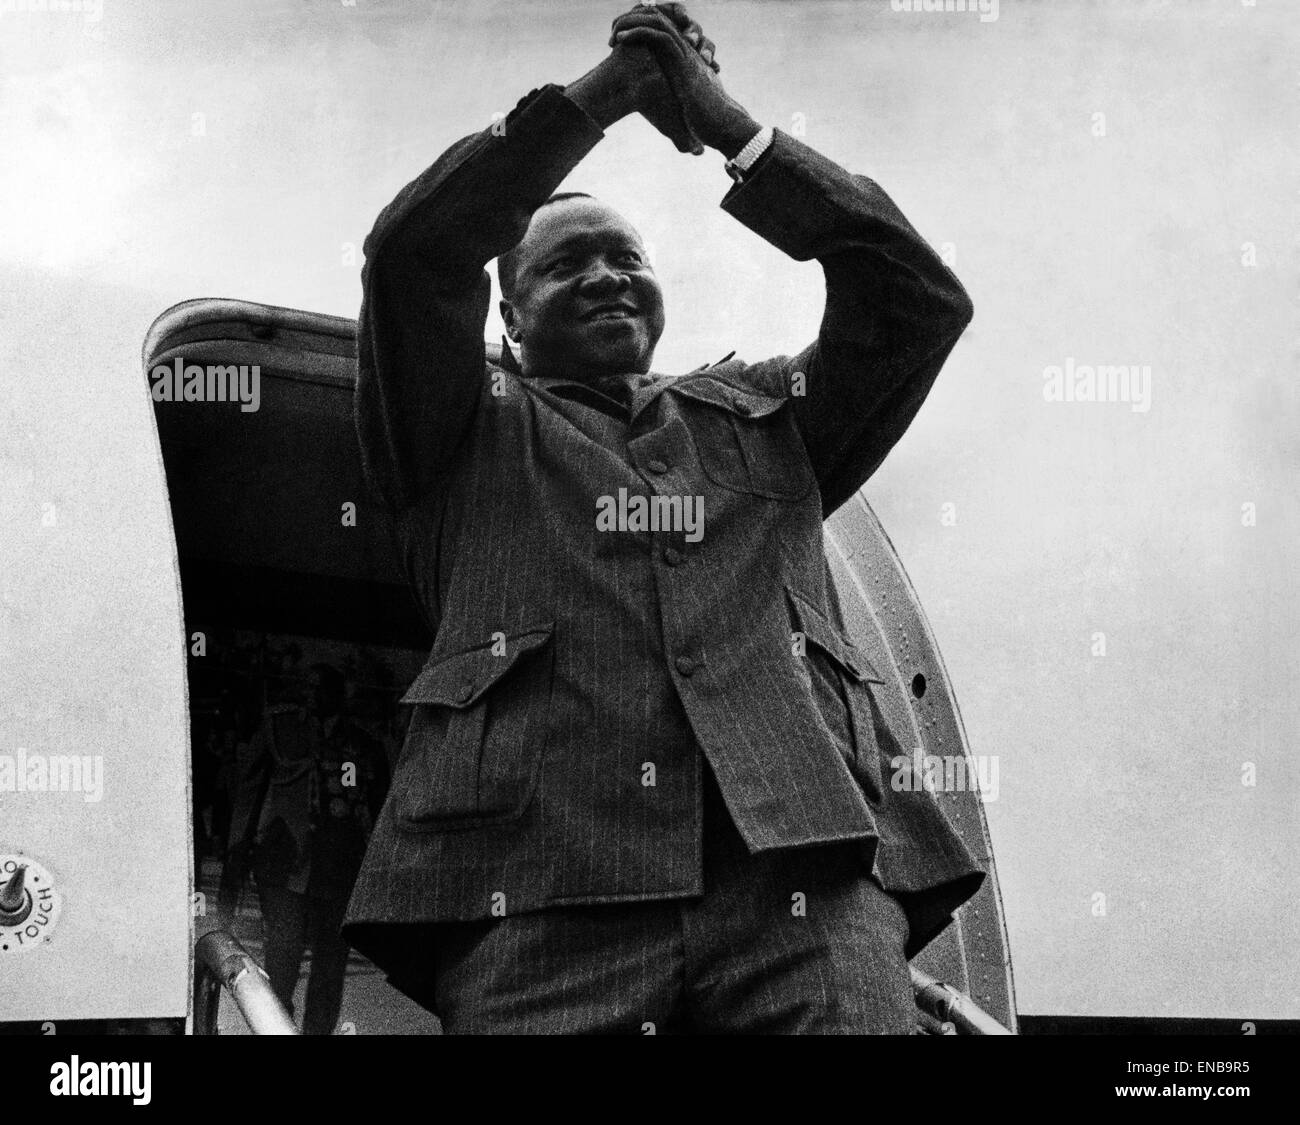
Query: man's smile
x=615, y=310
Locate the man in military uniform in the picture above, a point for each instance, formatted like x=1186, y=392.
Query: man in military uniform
x=643, y=785
x=311, y=783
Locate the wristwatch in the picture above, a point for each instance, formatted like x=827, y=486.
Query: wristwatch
x=744, y=160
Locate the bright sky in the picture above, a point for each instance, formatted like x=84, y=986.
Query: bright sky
x=169, y=150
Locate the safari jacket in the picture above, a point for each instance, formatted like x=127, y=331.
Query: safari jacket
x=580, y=677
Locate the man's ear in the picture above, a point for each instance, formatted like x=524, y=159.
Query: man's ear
x=508, y=317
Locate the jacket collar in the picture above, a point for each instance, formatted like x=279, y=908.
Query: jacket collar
x=510, y=364
x=508, y=361
x=643, y=388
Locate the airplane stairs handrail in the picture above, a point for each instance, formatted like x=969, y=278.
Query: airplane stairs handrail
x=945, y=1010
x=221, y=962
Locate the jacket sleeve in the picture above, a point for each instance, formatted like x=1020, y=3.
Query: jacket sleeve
x=420, y=349
x=893, y=310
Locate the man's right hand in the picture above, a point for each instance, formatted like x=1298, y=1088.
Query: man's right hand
x=710, y=115
x=632, y=80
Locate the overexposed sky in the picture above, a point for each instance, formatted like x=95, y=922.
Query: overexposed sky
x=169, y=150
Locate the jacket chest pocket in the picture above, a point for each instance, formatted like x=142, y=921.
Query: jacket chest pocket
x=474, y=748
x=748, y=442
x=842, y=678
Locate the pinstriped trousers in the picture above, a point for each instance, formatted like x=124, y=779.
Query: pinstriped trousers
x=793, y=941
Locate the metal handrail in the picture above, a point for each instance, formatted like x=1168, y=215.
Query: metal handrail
x=951, y=1008
x=220, y=961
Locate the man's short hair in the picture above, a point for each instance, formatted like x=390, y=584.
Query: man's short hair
x=508, y=263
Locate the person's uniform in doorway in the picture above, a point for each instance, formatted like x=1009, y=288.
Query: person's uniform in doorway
x=309, y=792
x=646, y=781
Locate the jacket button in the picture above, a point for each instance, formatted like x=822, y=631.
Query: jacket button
x=685, y=665
x=672, y=556
x=466, y=690
x=657, y=467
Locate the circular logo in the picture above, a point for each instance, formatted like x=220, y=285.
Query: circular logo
x=29, y=904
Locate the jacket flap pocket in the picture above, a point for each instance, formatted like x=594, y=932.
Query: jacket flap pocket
x=737, y=400
x=818, y=629
x=460, y=678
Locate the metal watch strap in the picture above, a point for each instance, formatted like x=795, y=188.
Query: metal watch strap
x=741, y=163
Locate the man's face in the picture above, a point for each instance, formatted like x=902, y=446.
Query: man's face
x=586, y=301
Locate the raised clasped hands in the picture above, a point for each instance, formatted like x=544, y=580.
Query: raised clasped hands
x=662, y=66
